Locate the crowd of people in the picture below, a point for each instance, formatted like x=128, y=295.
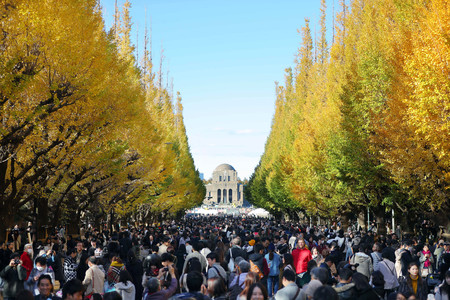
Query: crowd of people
x=225, y=259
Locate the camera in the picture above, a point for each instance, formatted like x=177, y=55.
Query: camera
x=166, y=269
x=17, y=261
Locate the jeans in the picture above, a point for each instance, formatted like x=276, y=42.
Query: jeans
x=272, y=283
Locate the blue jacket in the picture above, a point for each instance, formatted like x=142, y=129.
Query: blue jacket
x=274, y=264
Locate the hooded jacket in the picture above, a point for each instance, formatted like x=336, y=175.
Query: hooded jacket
x=258, y=259
x=346, y=291
x=364, y=262
x=126, y=290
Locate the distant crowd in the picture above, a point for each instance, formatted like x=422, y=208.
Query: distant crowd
x=226, y=259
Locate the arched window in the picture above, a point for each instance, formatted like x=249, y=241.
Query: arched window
x=230, y=195
x=224, y=196
x=219, y=192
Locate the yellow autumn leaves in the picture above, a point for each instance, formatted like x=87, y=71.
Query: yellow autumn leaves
x=368, y=126
x=81, y=130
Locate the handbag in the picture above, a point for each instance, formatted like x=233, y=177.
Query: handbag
x=231, y=262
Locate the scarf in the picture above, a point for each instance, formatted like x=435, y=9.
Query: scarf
x=427, y=263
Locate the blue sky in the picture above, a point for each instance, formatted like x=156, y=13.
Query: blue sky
x=224, y=57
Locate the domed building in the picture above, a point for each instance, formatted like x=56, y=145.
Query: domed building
x=224, y=189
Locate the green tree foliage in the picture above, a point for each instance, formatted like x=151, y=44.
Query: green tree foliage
x=366, y=123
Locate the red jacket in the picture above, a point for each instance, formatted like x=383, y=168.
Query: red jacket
x=301, y=258
x=27, y=263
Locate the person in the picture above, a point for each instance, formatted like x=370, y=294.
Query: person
x=363, y=261
x=193, y=265
x=413, y=283
x=257, y=291
x=54, y=261
x=180, y=256
x=14, y=276
x=325, y=292
x=81, y=259
x=387, y=268
x=290, y=291
x=153, y=287
x=273, y=261
x=301, y=256
x=443, y=290
x=41, y=268
x=258, y=263
x=319, y=277
x=94, y=279
x=376, y=255
x=363, y=289
x=217, y=289
x=237, y=284
x=112, y=296
x=403, y=258
x=316, y=256
x=27, y=258
x=25, y=295
x=70, y=264
x=45, y=287
x=234, y=251
x=377, y=281
x=305, y=277
x=426, y=261
x=134, y=267
x=164, y=245
x=438, y=250
x=125, y=286
x=114, y=270
x=250, y=279
x=345, y=288
x=73, y=290
x=288, y=264
x=196, y=254
x=194, y=284
x=215, y=269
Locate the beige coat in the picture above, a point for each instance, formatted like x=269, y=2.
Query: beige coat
x=94, y=280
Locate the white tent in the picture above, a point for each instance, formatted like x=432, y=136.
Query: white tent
x=259, y=212
x=203, y=211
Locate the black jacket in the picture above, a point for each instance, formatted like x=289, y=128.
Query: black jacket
x=14, y=278
x=236, y=251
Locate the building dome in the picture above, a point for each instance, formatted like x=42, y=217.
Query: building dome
x=224, y=167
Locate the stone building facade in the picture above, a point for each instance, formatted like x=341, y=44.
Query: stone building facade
x=225, y=189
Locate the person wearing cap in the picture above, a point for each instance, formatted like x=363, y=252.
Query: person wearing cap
x=319, y=277
x=234, y=275
x=94, y=279
x=273, y=261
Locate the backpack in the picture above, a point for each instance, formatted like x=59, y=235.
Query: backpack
x=255, y=269
x=235, y=290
